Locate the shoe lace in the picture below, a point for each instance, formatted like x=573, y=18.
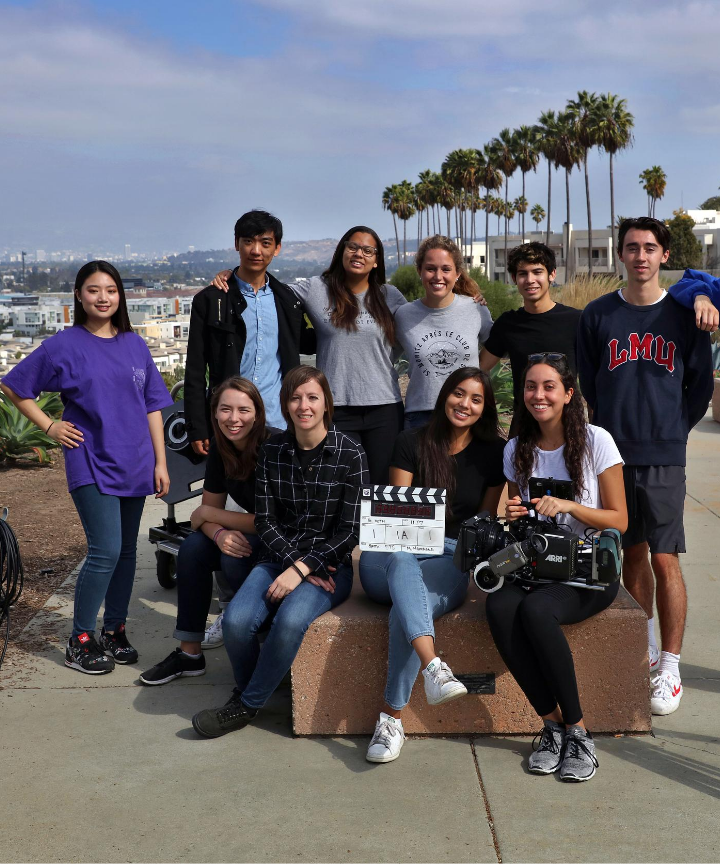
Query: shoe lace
x=662, y=686
x=549, y=742
x=573, y=746
x=232, y=709
x=385, y=731
x=443, y=674
x=215, y=627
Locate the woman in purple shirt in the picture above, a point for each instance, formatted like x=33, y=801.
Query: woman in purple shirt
x=112, y=432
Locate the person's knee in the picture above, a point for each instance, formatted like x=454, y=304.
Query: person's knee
x=537, y=612
x=105, y=554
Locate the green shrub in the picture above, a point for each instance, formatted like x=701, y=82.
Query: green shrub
x=19, y=437
x=502, y=384
x=500, y=297
x=407, y=280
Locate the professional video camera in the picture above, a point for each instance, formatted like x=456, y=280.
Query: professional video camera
x=537, y=551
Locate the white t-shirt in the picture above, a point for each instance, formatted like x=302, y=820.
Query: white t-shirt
x=602, y=454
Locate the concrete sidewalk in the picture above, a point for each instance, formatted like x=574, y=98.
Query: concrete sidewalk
x=102, y=769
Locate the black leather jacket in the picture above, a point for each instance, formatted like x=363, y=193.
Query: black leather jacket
x=217, y=340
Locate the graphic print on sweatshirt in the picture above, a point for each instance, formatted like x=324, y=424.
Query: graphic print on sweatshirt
x=440, y=352
x=650, y=347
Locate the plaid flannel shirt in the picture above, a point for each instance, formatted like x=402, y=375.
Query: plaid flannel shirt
x=314, y=517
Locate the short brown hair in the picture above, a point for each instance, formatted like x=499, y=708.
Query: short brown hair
x=531, y=253
x=644, y=223
x=296, y=378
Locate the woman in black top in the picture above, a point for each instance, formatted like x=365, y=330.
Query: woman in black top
x=307, y=513
x=460, y=450
x=223, y=539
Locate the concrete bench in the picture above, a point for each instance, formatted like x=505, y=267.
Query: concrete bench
x=338, y=677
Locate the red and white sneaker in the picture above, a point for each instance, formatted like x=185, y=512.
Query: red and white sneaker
x=654, y=657
x=667, y=693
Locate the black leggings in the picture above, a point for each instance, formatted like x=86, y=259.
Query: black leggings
x=375, y=428
x=526, y=628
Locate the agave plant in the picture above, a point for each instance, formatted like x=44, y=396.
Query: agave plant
x=502, y=384
x=19, y=437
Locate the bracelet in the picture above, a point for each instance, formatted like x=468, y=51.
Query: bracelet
x=49, y=427
x=219, y=531
x=299, y=572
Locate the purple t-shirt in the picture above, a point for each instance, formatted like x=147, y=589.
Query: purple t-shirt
x=108, y=387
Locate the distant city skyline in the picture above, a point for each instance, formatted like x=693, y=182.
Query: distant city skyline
x=155, y=125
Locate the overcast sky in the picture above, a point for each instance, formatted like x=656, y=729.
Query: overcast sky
x=158, y=123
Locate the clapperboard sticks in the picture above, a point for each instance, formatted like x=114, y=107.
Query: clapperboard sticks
x=408, y=494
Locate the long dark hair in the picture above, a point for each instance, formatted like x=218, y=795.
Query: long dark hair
x=121, y=319
x=436, y=467
x=574, y=430
x=239, y=464
x=345, y=305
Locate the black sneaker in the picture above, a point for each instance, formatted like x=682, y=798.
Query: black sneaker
x=84, y=654
x=214, y=722
x=118, y=646
x=175, y=665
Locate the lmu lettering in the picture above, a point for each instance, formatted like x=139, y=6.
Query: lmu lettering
x=649, y=348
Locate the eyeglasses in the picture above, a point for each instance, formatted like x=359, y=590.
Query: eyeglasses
x=546, y=355
x=367, y=251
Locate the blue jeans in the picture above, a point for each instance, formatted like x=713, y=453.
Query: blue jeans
x=258, y=673
x=111, y=526
x=413, y=420
x=197, y=558
x=421, y=589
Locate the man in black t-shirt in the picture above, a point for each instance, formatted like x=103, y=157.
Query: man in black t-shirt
x=541, y=325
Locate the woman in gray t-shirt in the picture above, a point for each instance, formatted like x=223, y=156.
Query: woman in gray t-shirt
x=442, y=331
x=351, y=310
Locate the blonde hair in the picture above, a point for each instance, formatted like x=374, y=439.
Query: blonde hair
x=464, y=285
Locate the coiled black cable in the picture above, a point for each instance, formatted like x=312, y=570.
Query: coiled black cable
x=11, y=577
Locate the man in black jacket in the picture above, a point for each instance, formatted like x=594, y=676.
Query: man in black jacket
x=253, y=330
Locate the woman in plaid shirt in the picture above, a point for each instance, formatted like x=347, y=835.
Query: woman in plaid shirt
x=307, y=513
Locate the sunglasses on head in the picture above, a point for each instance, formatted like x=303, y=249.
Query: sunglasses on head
x=546, y=355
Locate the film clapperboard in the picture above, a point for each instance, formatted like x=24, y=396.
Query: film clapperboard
x=402, y=519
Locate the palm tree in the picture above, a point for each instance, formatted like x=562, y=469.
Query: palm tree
x=426, y=193
x=584, y=113
x=546, y=133
x=538, y=214
x=445, y=199
x=404, y=201
x=568, y=155
x=491, y=179
x=521, y=205
x=503, y=152
x=420, y=208
x=388, y=199
x=615, y=125
x=509, y=215
x=527, y=157
x=654, y=181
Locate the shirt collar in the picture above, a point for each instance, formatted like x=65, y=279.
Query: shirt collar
x=331, y=441
x=246, y=287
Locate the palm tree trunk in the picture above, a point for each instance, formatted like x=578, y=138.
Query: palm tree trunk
x=404, y=242
x=397, y=239
x=487, y=231
x=569, y=257
x=547, y=233
x=613, y=229
x=427, y=218
x=589, y=215
x=448, y=222
x=522, y=214
x=505, y=279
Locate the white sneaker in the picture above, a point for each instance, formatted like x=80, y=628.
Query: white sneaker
x=387, y=741
x=441, y=685
x=667, y=693
x=213, y=635
x=654, y=657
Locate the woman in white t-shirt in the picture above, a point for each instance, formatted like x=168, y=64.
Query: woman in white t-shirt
x=555, y=440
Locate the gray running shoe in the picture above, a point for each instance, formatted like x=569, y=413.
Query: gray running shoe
x=579, y=762
x=547, y=756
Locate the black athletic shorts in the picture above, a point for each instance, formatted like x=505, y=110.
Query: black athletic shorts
x=655, y=496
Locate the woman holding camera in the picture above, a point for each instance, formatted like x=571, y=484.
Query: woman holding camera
x=555, y=440
x=460, y=450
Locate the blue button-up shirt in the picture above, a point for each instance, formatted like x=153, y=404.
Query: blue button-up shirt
x=260, y=362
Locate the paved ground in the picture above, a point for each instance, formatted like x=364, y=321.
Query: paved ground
x=106, y=770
